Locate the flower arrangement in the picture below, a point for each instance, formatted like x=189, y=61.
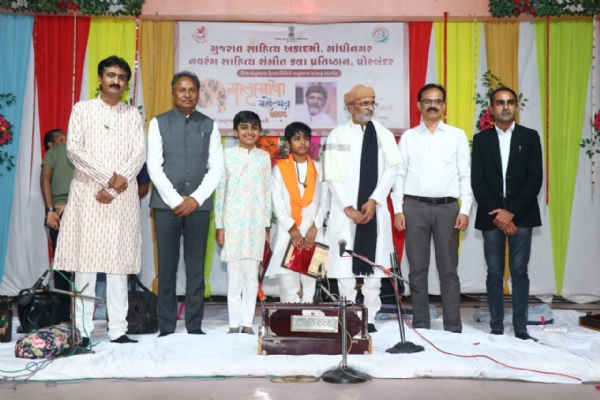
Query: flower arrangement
x=6, y=134
x=486, y=118
x=544, y=8
x=592, y=143
x=276, y=148
x=111, y=8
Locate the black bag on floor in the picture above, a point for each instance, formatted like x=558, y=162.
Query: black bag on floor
x=43, y=310
x=142, y=316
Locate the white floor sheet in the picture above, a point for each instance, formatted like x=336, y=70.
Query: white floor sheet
x=575, y=354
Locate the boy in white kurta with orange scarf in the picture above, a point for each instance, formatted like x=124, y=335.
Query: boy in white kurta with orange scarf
x=300, y=203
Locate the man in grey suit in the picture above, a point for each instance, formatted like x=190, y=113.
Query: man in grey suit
x=185, y=163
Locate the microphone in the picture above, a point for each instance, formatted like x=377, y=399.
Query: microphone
x=27, y=297
x=342, y=243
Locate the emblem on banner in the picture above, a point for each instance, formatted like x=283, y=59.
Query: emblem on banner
x=291, y=31
x=200, y=35
x=381, y=35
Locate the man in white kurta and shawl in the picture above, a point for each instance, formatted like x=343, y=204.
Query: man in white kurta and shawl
x=360, y=159
x=100, y=229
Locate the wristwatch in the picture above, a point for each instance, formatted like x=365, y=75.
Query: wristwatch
x=50, y=209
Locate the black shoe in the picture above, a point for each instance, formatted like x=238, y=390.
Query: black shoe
x=371, y=328
x=123, y=339
x=197, y=332
x=85, y=342
x=163, y=334
x=496, y=332
x=524, y=336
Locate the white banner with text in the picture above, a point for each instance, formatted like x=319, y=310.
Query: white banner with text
x=294, y=72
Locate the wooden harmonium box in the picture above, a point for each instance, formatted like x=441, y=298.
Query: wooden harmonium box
x=306, y=328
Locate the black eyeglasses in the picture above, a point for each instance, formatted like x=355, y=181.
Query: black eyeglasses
x=428, y=102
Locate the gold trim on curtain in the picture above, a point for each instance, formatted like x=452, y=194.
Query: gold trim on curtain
x=502, y=52
x=157, y=60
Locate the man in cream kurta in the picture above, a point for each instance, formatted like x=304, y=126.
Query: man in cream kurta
x=342, y=171
x=100, y=229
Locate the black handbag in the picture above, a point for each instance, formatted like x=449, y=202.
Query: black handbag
x=43, y=310
x=142, y=316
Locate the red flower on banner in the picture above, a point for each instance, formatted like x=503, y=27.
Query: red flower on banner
x=596, y=122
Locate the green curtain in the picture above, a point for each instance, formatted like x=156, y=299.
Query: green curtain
x=464, y=41
x=108, y=37
x=570, y=62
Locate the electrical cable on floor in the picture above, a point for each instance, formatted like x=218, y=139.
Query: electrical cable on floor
x=474, y=355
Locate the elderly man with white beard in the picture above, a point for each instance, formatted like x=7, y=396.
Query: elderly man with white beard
x=359, y=213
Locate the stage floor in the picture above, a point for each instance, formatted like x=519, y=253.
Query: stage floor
x=572, y=357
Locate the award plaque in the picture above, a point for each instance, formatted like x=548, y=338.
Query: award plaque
x=307, y=261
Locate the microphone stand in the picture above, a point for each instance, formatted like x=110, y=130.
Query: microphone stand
x=344, y=374
x=373, y=265
x=402, y=347
x=76, y=349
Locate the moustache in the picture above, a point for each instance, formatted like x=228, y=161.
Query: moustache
x=432, y=109
x=116, y=85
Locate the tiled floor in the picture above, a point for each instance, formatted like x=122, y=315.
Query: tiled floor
x=263, y=388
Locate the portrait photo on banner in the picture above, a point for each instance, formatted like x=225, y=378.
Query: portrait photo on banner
x=316, y=103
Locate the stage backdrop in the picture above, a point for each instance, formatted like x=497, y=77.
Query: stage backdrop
x=267, y=68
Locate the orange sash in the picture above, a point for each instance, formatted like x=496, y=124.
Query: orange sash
x=290, y=179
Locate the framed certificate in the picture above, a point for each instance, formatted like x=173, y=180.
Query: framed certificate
x=307, y=262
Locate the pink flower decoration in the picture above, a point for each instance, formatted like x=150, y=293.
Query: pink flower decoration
x=6, y=136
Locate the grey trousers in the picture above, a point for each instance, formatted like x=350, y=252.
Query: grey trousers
x=169, y=228
x=422, y=222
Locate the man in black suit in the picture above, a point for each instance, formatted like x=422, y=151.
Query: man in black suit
x=506, y=177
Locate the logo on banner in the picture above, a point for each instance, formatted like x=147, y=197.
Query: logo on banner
x=200, y=35
x=291, y=35
x=381, y=35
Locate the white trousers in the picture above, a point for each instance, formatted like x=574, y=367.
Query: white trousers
x=291, y=284
x=117, y=304
x=241, y=292
x=370, y=289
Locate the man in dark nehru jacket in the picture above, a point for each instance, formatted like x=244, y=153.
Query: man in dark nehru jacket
x=185, y=163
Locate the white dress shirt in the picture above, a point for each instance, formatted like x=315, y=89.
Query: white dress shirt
x=167, y=191
x=504, y=140
x=320, y=119
x=435, y=164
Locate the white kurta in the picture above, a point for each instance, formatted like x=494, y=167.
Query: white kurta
x=345, y=193
x=97, y=237
x=315, y=212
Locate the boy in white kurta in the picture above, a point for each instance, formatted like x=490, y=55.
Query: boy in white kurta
x=300, y=203
x=243, y=217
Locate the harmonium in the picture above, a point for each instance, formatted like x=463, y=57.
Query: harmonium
x=306, y=328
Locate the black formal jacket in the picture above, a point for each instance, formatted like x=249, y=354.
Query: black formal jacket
x=523, y=177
